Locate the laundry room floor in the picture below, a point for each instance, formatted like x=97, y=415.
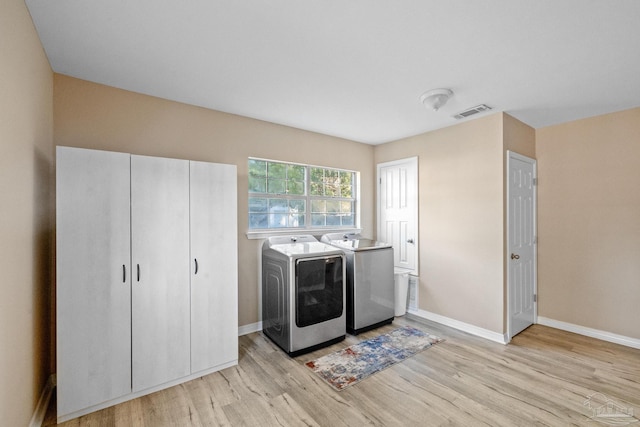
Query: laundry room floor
x=544, y=376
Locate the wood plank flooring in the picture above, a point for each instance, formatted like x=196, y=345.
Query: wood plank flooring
x=544, y=377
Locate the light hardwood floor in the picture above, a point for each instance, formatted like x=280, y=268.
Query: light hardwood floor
x=543, y=377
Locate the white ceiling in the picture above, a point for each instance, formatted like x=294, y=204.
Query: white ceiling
x=356, y=68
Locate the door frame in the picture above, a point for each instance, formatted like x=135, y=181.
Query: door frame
x=513, y=155
x=414, y=161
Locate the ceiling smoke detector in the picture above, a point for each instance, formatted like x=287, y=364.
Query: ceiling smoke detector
x=471, y=111
x=436, y=98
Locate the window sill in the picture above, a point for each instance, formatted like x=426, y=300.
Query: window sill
x=263, y=234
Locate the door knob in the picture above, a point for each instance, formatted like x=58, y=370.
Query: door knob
x=515, y=256
x=410, y=241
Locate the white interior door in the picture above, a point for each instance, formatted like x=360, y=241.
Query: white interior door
x=521, y=236
x=214, y=265
x=93, y=278
x=160, y=261
x=398, y=210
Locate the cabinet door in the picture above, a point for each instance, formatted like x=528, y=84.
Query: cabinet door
x=214, y=291
x=160, y=262
x=93, y=293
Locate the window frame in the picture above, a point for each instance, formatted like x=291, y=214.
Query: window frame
x=308, y=228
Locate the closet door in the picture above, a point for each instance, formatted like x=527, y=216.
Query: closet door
x=93, y=292
x=214, y=265
x=160, y=262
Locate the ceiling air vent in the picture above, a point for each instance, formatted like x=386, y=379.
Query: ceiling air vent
x=471, y=111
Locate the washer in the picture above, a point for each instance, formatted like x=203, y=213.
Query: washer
x=303, y=293
x=370, y=281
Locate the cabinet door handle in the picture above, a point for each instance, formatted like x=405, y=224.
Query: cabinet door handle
x=124, y=274
x=138, y=271
x=196, y=261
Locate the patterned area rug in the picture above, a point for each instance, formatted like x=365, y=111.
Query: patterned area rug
x=355, y=363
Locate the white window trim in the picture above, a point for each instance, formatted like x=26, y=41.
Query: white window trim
x=263, y=234
x=316, y=231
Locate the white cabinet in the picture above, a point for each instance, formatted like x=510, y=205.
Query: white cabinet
x=93, y=293
x=133, y=313
x=160, y=261
x=214, y=250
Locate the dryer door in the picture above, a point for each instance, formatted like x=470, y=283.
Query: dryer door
x=319, y=289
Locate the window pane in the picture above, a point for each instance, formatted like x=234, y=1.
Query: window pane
x=296, y=221
x=346, y=207
x=291, y=186
x=297, y=206
x=277, y=171
x=278, y=213
x=316, y=175
x=318, y=220
x=316, y=189
x=347, y=220
x=257, y=168
x=328, y=182
x=278, y=220
x=276, y=186
x=295, y=188
x=333, y=206
x=258, y=204
x=318, y=206
x=316, y=179
x=346, y=184
x=257, y=184
x=279, y=205
x=258, y=221
x=333, y=219
x=295, y=173
x=331, y=190
x=331, y=175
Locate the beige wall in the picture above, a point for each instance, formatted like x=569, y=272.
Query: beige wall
x=94, y=116
x=589, y=222
x=26, y=130
x=518, y=137
x=460, y=219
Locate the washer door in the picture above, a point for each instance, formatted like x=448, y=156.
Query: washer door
x=318, y=292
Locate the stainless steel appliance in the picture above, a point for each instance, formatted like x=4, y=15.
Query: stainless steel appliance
x=370, y=281
x=303, y=289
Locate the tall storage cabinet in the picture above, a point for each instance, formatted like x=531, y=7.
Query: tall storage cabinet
x=160, y=263
x=214, y=249
x=93, y=292
x=146, y=275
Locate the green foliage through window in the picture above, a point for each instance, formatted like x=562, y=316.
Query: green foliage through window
x=288, y=195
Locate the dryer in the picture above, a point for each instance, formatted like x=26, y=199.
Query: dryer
x=370, y=281
x=303, y=293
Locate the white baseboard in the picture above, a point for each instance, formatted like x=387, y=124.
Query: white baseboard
x=462, y=326
x=250, y=328
x=43, y=403
x=589, y=332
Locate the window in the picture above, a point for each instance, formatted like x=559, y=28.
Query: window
x=290, y=195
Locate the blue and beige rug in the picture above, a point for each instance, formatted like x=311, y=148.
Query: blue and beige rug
x=355, y=363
